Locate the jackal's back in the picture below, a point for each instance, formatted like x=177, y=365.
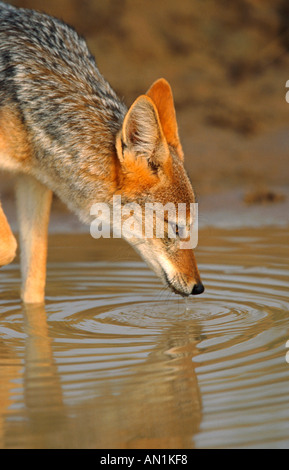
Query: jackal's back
x=58, y=103
x=39, y=53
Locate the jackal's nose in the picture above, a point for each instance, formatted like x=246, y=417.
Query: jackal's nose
x=198, y=289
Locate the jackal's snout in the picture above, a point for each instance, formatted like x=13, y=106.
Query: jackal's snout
x=198, y=289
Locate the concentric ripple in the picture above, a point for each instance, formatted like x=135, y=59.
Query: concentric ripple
x=116, y=360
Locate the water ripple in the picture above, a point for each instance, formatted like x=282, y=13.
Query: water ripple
x=113, y=330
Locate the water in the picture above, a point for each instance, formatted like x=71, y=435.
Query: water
x=116, y=361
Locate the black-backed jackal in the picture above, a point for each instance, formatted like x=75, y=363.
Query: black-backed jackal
x=64, y=130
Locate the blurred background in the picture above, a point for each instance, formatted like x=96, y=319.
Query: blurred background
x=228, y=64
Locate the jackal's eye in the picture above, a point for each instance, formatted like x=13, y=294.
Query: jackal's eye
x=174, y=230
x=178, y=231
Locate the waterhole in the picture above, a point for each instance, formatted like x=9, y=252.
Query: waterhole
x=116, y=361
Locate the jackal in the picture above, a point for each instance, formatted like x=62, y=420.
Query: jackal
x=63, y=130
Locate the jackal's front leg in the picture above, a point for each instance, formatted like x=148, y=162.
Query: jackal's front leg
x=8, y=243
x=33, y=204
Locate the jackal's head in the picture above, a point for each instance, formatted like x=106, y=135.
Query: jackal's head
x=152, y=171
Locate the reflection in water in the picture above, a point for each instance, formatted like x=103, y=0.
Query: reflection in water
x=154, y=404
x=41, y=383
x=115, y=361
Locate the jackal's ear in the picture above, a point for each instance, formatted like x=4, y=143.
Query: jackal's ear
x=141, y=134
x=161, y=94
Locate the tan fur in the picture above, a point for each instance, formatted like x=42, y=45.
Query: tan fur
x=13, y=137
x=33, y=201
x=137, y=176
x=161, y=94
x=184, y=266
x=8, y=244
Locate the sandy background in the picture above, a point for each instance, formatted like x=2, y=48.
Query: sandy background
x=228, y=64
